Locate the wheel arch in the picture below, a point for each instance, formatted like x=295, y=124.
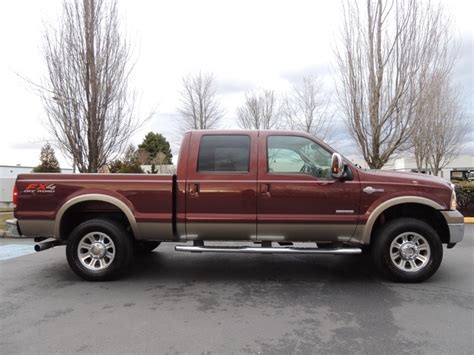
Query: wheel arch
x=75, y=201
x=407, y=207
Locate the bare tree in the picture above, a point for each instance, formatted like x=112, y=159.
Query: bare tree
x=200, y=108
x=306, y=108
x=420, y=139
x=447, y=126
x=89, y=106
x=387, y=52
x=288, y=112
x=260, y=110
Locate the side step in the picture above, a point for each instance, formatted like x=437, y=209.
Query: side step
x=266, y=250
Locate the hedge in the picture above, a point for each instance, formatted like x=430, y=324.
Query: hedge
x=465, y=197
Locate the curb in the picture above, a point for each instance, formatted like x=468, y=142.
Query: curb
x=469, y=220
x=7, y=234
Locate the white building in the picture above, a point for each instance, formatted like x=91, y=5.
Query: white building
x=462, y=162
x=8, y=174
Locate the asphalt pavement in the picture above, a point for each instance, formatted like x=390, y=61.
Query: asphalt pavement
x=172, y=302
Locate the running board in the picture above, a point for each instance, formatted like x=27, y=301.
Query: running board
x=267, y=250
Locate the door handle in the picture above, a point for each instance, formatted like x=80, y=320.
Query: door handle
x=265, y=190
x=193, y=190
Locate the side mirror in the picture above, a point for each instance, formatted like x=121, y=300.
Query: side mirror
x=337, y=166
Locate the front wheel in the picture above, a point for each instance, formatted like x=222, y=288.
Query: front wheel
x=407, y=250
x=99, y=249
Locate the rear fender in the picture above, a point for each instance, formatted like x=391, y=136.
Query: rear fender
x=94, y=197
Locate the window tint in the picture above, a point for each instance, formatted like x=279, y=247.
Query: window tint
x=224, y=153
x=292, y=154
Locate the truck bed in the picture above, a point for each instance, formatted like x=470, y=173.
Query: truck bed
x=149, y=198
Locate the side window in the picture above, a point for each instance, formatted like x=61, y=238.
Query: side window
x=292, y=154
x=225, y=153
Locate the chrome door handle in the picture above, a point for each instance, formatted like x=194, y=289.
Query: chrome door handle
x=370, y=190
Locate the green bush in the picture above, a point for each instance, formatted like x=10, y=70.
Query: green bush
x=465, y=197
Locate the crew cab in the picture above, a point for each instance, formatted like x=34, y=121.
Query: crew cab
x=264, y=189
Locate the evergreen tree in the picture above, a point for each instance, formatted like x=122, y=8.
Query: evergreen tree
x=130, y=163
x=115, y=166
x=154, y=143
x=48, y=161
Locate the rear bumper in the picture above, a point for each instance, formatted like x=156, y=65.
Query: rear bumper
x=12, y=228
x=455, y=221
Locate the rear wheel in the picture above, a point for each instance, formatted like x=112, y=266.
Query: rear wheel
x=99, y=249
x=407, y=250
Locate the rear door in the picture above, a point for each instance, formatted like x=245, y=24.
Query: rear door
x=298, y=200
x=221, y=200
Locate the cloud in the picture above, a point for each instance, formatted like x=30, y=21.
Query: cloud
x=294, y=76
x=27, y=145
x=464, y=72
x=232, y=86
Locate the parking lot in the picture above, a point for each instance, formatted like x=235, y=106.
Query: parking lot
x=194, y=303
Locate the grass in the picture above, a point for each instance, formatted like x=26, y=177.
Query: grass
x=3, y=219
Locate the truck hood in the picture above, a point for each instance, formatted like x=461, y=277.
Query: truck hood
x=409, y=178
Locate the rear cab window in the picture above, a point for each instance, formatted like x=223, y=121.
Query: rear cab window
x=224, y=153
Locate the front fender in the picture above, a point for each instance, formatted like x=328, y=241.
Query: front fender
x=364, y=231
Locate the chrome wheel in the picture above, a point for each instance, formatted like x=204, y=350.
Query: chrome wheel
x=96, y=251
x=410, y=252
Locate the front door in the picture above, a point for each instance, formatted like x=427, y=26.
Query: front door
x=221, y=202
x=298, y=200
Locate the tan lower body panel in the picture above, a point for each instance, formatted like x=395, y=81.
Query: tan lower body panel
x=303, y=232
x=360, y=235
x=36, y=227
x=296, y=232
x=154, y=231
x=219, y=231
x=223, y=231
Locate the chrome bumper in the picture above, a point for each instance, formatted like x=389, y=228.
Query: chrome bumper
x=455, y=222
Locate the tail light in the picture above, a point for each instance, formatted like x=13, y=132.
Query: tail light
x=15, y=196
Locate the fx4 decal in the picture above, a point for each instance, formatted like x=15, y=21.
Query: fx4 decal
x=40, y=188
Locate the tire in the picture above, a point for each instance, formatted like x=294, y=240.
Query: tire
x=141, y=247
x=107, y=248
x=407, y=250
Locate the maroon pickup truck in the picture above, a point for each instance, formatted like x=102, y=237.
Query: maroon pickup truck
x=264, y=189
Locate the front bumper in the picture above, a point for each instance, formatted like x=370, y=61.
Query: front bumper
x=455, y=221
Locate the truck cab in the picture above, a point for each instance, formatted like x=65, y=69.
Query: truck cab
x=264, y=185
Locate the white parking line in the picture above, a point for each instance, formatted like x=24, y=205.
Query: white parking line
x=11, y=251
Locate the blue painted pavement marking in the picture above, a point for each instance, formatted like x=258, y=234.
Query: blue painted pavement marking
x=11, y=251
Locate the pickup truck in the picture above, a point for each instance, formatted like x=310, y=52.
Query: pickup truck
x=265, y=190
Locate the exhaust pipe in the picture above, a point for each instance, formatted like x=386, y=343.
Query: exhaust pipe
x=47, y=245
